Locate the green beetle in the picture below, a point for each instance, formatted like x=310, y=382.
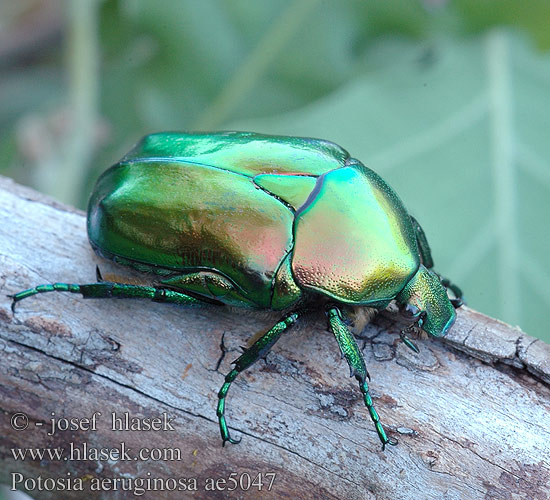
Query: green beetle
x=266, y=222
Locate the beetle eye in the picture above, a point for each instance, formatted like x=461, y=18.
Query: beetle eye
x=410, y=311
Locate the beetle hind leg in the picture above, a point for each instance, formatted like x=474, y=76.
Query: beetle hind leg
x=256, y=351
x=356, y=363
x=108, y=289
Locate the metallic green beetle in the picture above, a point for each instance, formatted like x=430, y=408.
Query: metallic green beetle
x=266, y=222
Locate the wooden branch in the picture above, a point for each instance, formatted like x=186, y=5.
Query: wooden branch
x=470, y=424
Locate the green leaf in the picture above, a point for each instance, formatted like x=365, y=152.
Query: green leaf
x=460, y=130
x=531, y=16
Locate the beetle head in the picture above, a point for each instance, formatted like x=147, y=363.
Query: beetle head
x=425, y=298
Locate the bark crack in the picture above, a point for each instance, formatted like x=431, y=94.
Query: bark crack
x=484, y=459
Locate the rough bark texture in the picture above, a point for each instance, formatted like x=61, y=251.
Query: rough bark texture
x=471, y=412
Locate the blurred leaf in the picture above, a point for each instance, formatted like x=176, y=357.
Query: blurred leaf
x=531, y=16
x=29, y=90
x=460, y=130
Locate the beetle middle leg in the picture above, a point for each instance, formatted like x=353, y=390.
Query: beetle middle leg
x=357, y=367
x=256, y=351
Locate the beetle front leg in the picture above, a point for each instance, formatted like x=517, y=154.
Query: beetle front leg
x=256, y=351
x=428, y=263
x=357, y=367
x=459, y=297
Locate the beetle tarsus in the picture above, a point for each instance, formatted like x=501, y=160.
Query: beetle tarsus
x=374, y=416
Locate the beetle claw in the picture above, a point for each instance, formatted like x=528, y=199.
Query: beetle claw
x=457, y=303
x=13, y=302
x=231, y=440
x=98, y=276
x=391, y=442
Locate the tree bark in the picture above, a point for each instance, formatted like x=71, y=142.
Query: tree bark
x=471, y=412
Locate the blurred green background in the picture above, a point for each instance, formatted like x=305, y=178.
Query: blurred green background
x=447, y=100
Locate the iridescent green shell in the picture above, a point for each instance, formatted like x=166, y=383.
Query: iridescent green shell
x=255, y=220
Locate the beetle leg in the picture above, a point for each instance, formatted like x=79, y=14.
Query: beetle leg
x=411, y=311
x=428, y=263
x=356, y=363
x=107, y=289
x=459, y=298
x=423, y=245
x=256, y=351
